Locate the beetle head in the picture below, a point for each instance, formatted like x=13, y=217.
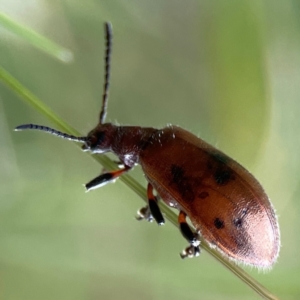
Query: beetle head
x=99, y=139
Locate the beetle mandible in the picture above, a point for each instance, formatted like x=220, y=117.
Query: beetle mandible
x=224, y=202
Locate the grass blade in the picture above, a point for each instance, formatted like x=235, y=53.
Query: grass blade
x=36, y=39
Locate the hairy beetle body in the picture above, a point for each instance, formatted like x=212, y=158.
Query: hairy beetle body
x=225, y=203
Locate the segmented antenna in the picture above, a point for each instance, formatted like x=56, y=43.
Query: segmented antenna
x=108, y=38
x=51, y=131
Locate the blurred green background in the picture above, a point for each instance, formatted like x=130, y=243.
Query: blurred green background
x=225, y=70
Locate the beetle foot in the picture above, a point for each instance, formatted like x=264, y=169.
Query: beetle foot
x=191, y=251
x=144, y=214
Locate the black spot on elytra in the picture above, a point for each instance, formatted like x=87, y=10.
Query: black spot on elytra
x=209, y=165
x=182, y=183
x=177, y=173
x=238, y=222
x=223, y=176
x=203, y=195
x=219, y=224
x=217, y=165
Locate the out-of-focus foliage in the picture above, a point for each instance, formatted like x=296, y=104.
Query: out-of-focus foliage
x=226, y=70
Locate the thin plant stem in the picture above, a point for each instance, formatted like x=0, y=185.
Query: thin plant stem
x=35, y=39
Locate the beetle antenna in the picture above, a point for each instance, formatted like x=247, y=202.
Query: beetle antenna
x=108, y=38
x=51, y=131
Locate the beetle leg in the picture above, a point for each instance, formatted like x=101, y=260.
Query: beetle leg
x=144, y=214
x=193, y=238
x=153, y=206
x=152, y=210
x=105, y=178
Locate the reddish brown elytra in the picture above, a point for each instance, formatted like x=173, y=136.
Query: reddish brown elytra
x=224, y=202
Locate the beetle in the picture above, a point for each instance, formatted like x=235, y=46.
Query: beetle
x=223, y=201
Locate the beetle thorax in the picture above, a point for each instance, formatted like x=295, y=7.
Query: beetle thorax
x=129, y=141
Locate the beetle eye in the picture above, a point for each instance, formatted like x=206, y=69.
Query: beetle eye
x=92, y=141
x=95, y=140
x=99, y=137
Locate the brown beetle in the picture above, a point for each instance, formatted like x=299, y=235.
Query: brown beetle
x=224, y=202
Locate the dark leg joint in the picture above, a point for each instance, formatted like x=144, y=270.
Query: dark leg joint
x=152, y=210
x=193, y=250
x=155, y=212
x=188, y=234
x=99, y=181
x=105, y=178
x=153, y=206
